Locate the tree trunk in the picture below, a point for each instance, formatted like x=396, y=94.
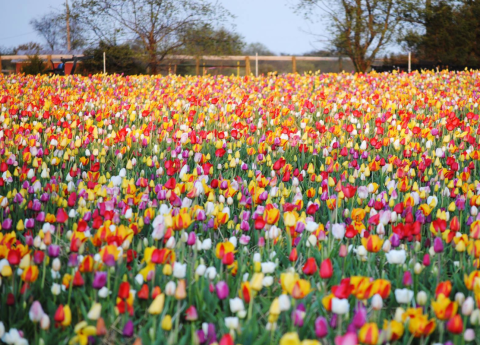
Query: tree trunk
x=69, y=43
x=153, y=62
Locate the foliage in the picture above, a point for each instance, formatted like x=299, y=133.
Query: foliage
x=120, y=59
x=446, y=33
x=360, y=29
x=206, y=40
x=30, y=46
x=34, y=65
x=160, y=25
x=257, y=47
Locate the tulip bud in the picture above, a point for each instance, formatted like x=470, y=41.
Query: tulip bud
x=166, y=323
x=95, y=311
x=103, y=292
x=459, y=298
x=398, y=314
x=467, y=306
x=377, y=302
x=36, y=312
x=421, y=298
x=475, y=317
x=387, y=246
x=200, y=271
x=56, y=264
x=44, y=322
x=469, y=335
x=284, y=302
x=418, y=268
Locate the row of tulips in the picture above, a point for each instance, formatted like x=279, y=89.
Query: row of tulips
x=293, y=209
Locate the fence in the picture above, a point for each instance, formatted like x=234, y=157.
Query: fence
x=200, y=65
x=245, y=65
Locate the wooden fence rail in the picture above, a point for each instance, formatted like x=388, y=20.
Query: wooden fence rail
x=170, y=58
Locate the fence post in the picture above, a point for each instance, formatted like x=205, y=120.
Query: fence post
x=294, y=64
x=104, y=64
x=409, y=62
x=247, y=65
x=204, y=70
x=238, y=68
x=256, y=64
x=49, y=62
x=197, y=66
x=0, y=64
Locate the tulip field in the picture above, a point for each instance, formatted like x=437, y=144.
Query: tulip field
x=291, y=209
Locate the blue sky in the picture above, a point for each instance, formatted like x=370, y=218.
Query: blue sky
x=271, y=22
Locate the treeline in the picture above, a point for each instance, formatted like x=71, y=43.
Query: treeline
x=137, y=35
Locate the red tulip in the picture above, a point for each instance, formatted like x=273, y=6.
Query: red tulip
x=293, y=255
x=191, y=314
x=455, y=324
x=78, y=279
x=227, y=340
x=59, y=314
x=310, y=267
x=143, y=293
x=62, y=216
x=13, y=257
x=349, y=191
x=124, y=290
x=326, y=269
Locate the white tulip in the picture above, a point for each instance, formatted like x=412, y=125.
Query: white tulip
x=396, y=257
x=340, y=306
x=403, y=295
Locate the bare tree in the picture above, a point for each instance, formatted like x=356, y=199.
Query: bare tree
x=158, y=24
x=61, y=29
x=48, y=27
x=360, y=28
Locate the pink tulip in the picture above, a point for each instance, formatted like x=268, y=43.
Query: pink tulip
x=36, y=312
x=222, y=290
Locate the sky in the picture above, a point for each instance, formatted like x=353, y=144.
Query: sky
x=271, y=22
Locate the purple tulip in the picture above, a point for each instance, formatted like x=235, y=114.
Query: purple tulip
x=53, y=250
x=200, y=336
x=29, y=240
x=36, y=206
x=192, y=239
x=360, y=316
x=297, y=316
x=244, y=226
x=128, y=329
x=73, y=260
x=201, y=216
x=321, y=327
x=44, y=197
x=222, y=290
x=333, y=321
x=87, y=216
x=211, y=334
x=7, y=224
x=29, y=223
x=395, y=240
x=438, y=245
x=99, y=280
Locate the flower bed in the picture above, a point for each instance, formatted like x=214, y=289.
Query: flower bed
x=326, y=208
